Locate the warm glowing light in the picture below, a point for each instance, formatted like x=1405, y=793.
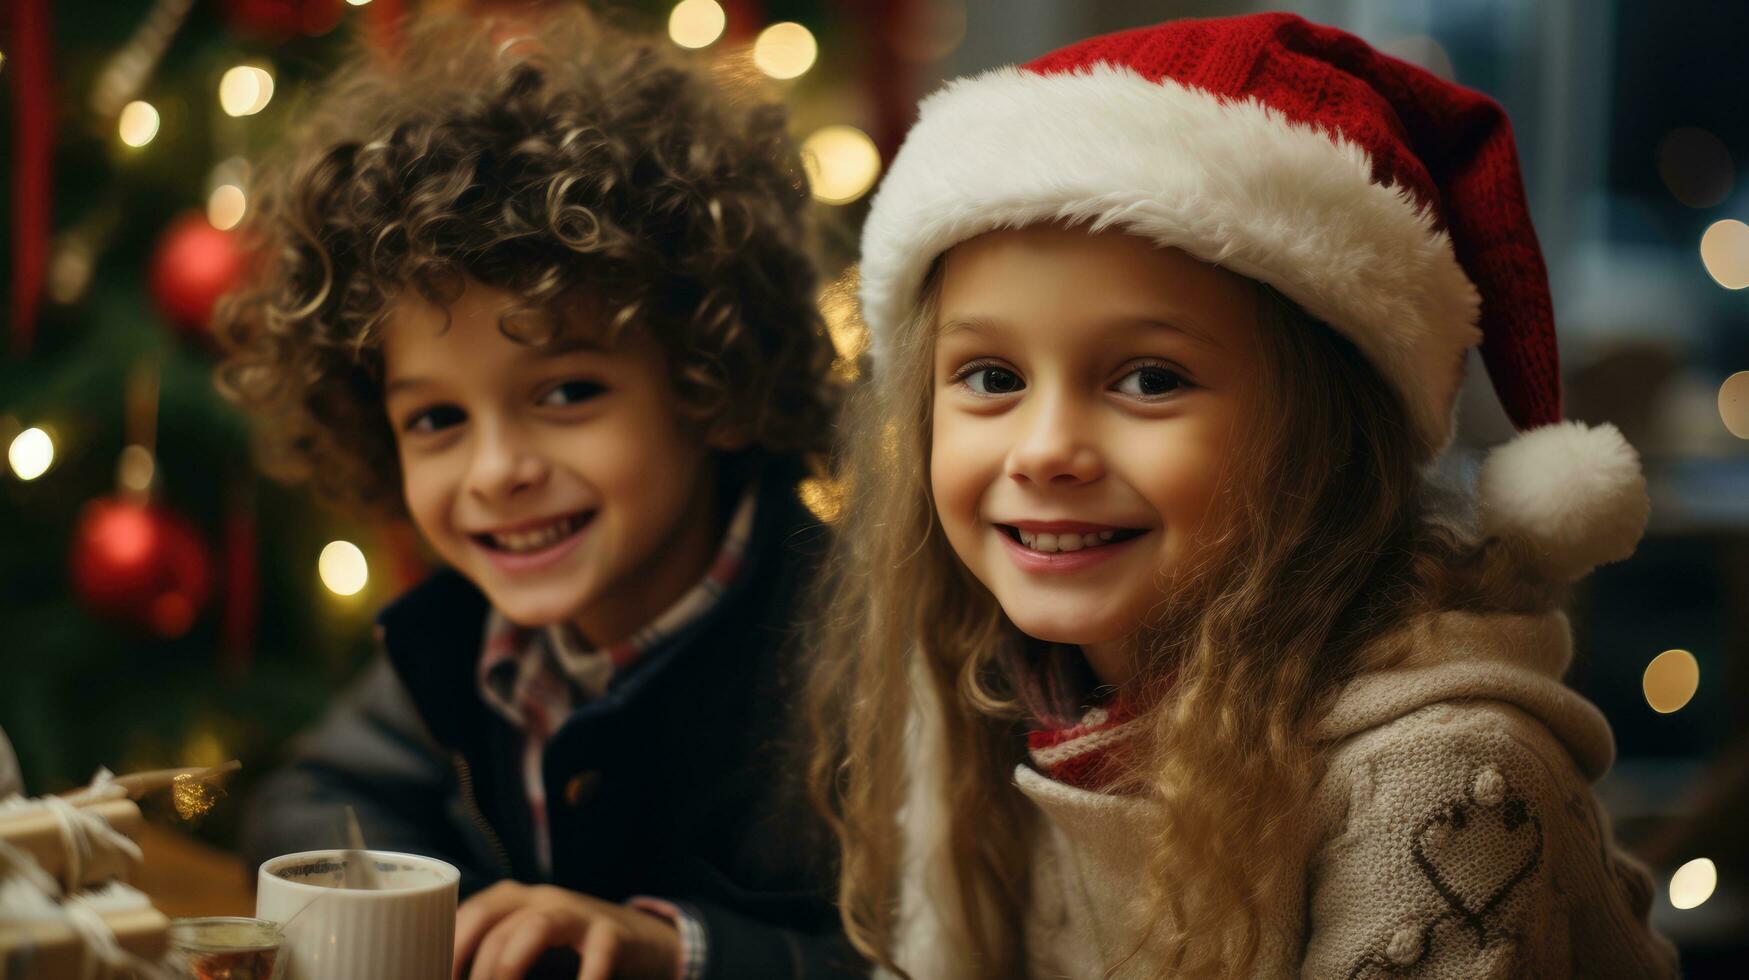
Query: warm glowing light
x=1671, y=680
x=824, y=498
x=245, y=90
x=225, y=206
x=343, y=568
x=358, y=3
x=203, y=748
x=32, y=453
x=849, y=335
x=842, y=163
x=1725, y=251
x=785, y=50
x=1734, y=404
x=135, y=469
x=138, y=123
x=69, y=271
x=1693, y=883
x=696, y=23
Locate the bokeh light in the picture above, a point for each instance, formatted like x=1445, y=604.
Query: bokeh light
x=823, y=497
x=844, y=325
x=1693, y=883
x=343, y=568
x=31, y=454
x=138, y=123
x=245, y=90
x=1734, y=404
x=225, y=206
x=1725, y=251
x=1671, y=680
x=696, y=23
x=1696, y=167
x=842, y=163
x=136, y=468
x=69, y=270
x=785, y=50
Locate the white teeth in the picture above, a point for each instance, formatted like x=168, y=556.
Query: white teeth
x=525, y=541
x=1050, y=543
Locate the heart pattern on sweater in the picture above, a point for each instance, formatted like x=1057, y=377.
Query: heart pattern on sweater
x=1474, y=855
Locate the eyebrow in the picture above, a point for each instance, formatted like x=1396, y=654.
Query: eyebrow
x=1195, y=333
x=558, y=348
x=403, y=384
x=970, y=324
x=985, y=325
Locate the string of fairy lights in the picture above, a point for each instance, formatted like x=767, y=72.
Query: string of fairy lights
x=841, y=163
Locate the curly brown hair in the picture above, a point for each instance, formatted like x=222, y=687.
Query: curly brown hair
x=550, y=160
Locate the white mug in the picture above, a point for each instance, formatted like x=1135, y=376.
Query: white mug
x=361, y=915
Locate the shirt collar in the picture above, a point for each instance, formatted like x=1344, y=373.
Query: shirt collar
x=519, y=664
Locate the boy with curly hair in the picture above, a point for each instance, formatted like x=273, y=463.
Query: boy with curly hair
x=547, y=296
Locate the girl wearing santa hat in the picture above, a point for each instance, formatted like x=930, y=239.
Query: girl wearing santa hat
x=1152, y=649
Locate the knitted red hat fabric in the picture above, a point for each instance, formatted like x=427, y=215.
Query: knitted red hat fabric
x=1382, y=199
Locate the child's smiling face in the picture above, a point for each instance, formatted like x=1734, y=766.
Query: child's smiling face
x=1089, y=392
x=564, y=483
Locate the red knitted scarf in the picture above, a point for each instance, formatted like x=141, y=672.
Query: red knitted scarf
x=1092, y=754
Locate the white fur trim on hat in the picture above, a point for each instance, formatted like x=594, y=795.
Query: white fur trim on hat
x=1231, y=182
x=1574, y=492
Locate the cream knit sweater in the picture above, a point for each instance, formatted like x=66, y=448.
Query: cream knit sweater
x=1454, y=836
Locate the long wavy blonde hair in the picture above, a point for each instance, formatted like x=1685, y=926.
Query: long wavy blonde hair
x=1341, y=547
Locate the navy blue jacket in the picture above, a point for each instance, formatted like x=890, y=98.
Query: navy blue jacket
x=684, y=781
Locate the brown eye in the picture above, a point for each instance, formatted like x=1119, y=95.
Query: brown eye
x=993, y=381
x=435, y=419
x=1151, y=381
x=572, y=392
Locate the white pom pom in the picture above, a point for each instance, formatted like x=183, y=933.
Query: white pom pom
x=1576, y=494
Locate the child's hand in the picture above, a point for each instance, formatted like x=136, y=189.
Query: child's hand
x=507, y=927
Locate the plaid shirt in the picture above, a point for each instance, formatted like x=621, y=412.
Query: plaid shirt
x=536, y=677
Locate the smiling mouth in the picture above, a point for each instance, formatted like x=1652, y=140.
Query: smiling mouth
x=1045, y=542
x=537, y=538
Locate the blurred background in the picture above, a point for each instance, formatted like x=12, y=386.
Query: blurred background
x=161, y=605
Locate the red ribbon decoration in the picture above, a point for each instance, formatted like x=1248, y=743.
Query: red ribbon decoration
x=33, y=131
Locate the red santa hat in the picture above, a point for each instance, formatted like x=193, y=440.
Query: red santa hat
x=1380, y=198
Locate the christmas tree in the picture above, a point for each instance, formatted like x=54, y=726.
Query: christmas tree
x=162, y=603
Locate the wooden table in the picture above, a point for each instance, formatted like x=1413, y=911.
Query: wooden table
x=186, y=877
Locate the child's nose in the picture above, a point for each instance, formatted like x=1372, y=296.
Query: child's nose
x=1055, y=444
x=503, y=466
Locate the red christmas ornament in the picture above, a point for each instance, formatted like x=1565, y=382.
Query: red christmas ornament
x=140, y=564
x=193, y=265
x=279, y=20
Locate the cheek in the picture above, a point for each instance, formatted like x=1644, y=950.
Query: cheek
x=1183, y=477
x=958, y=469
x=642, y=459
x=424, y=489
